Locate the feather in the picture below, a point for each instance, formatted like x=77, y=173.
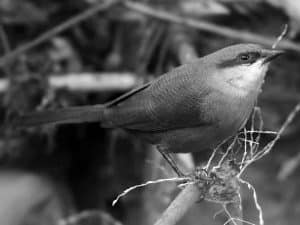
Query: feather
x=61, y=116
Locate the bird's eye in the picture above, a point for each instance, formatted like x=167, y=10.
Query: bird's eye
x=249, y=57
x=244, y=57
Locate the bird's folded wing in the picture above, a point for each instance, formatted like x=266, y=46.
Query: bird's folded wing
x=175, y=100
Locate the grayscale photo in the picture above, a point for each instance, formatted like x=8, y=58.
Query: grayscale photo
x=149, y=112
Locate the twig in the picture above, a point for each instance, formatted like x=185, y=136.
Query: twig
x=181, y=204
x=6, y=50
x=267, y=149
x=209, y=27
x=212, y=156
x=231, y=219
x=87, y=82
x=257, y=113
x=286, y=123
x=245, y=145
x=95, y=82
x=4, y=40
x=229, y=148
x=150, y=42
x=235, y=209
x=248, y=141
x=257, y=205
x=258, y=132
x=175, y=179
x=238, y=219
x=281, y=36
x=58, y=29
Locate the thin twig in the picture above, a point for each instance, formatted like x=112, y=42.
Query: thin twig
x=227, y=151
x=258, y=114
x=155, y=32
x=6, y=49
x=4, y=40
x=281, y=36
x=209, y=27
x=212, y=156
x=238, y=219
x=257, y=205
x=245, y=149
x=286, y=123
x=175, y=179
x=58, y=29
x=267, y=149
x=258, y=132
x=248, y=141
x=234, y=210
x=231, y=219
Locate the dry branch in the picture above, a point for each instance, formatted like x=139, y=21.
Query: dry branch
x=58, y=29
x=209, y=27
x=181, y=204
x=87, y=82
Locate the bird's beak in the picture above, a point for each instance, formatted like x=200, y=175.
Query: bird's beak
x=269, y=55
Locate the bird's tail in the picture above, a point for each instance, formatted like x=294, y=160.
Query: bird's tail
x=78, y=114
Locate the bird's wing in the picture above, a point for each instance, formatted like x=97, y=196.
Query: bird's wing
x=175, y=100
x=127, y=95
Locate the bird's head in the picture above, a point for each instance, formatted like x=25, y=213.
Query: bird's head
x=242, y=66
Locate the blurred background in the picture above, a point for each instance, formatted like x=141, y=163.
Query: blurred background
x=58, y=53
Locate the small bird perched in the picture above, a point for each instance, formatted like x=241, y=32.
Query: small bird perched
x=193, y=107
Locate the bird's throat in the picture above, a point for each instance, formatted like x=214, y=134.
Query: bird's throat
x=244, y=79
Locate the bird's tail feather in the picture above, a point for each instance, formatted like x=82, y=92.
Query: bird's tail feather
x=78, y=114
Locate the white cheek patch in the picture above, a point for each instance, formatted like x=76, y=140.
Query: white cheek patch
x=246, y=76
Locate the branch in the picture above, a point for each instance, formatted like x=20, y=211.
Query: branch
x=180, y=205
x=268, y=148
x=58, y=29
x=209, y=27
x=87, y=82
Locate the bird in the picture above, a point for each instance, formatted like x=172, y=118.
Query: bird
x=191, y=108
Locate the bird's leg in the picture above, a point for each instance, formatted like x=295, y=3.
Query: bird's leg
x=170, y=160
